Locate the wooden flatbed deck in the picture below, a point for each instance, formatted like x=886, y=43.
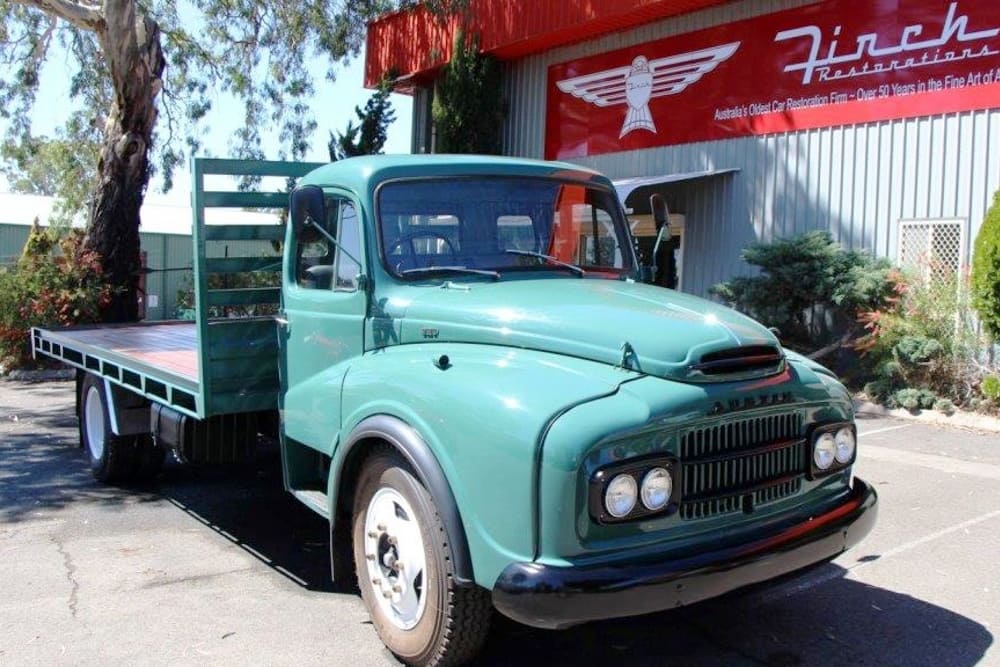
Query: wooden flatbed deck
x=238, y=360
x=172, y=347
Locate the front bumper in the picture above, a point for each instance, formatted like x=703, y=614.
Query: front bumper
x=546, y=596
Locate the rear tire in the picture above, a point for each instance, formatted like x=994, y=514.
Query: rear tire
x=405, y=573
x=113, y=459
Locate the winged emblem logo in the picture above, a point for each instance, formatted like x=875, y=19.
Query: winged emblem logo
x=645, y=79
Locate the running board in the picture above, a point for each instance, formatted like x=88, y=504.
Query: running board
x=314, y=500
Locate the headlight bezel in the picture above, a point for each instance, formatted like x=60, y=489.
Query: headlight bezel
x=637, y=468
x=836, y=465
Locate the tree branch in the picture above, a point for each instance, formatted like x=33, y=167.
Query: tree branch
x=832, y=347
x=81, y=15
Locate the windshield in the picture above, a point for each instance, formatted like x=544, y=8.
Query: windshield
x=501, y=225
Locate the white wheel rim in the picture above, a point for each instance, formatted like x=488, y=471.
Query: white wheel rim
x=395, y=559
x=94, y=414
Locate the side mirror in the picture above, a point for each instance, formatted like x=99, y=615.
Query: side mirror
x=307, y=207
x=661, y=216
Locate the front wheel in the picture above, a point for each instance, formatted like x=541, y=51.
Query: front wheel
x=405, y=573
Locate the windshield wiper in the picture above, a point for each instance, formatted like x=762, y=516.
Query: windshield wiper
x=495, y=275
x=548, y=258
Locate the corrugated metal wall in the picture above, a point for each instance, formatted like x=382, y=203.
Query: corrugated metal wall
x=167, y=255
x=858, y=181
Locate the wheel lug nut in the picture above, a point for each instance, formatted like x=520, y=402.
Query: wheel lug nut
x=392, y=540
x=387, y=595
x=381, y=527
x=397, y=589
x=376, y=581
x=372, y=534
x=370, y=556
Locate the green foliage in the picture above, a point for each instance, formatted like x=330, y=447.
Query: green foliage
x=238, y=280
x=908, y=398
x=260, y=53
x=917, y=350
x=56, y=282
x=986, y=271
x=798, y=275
x=924, y=340
x=62, y=167
x=467, y=107
x=990, y=388
x=944, y=405
x=368, y=137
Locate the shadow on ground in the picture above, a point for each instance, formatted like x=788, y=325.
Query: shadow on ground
x=840, y=622
x=837, y=622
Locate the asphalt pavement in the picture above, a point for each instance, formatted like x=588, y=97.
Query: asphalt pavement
x=219, y=566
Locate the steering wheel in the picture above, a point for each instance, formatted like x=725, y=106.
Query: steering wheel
x=408, y=239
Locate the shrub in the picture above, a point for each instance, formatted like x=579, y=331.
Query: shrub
x=56, y=282
x=944, y=405
x=908, y=398
x=924, y=338
x=986, y=271
x=990, y=387
x=926, y=398
x=878, y=390
x=802, y=275
x=918, y=349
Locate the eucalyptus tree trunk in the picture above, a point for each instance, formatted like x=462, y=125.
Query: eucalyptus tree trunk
x=131, y=46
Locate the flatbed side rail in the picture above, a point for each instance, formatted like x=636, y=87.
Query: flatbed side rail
x=237, y=335
x=153, y=382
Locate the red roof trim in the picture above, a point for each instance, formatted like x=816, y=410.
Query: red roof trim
x=415, y=44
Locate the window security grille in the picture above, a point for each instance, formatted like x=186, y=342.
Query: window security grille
x=934, y=249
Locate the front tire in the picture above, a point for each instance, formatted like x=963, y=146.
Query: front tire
x=405, y=572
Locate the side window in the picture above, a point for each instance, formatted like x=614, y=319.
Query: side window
x=320, y=264
x=584, y=231
x=349, y=237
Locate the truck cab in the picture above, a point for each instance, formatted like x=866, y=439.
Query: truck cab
x=587, y=445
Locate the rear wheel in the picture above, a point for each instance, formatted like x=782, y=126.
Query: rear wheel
x=405, y=573
x=113, y=458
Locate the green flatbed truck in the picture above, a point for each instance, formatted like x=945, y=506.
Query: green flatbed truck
x=472, y=381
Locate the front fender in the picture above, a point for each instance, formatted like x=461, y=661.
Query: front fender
x=482, y=415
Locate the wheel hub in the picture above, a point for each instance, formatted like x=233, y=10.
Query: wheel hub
x=395, y=558
x=94, y=415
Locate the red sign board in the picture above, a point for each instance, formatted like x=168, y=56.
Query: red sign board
x=832, y=63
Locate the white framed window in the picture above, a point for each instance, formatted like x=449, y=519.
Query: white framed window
x=933, y=249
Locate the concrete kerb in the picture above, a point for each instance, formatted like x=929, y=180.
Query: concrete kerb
x=51, y=375
x=959, y=419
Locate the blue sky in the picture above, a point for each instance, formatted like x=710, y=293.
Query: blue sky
x=333, y=107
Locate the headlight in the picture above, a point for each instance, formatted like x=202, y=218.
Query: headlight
x=656, y=489
x=621, y=495
x=824, y=451
x=845, y=445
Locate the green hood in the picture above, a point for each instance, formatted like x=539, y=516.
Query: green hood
x=650, y=329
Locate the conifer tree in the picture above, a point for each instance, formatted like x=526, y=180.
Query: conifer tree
x=986, y=271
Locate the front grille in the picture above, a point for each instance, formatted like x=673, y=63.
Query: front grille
x=701, y=509
x=736, y=466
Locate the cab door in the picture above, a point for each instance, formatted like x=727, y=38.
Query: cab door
x=323, y=324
